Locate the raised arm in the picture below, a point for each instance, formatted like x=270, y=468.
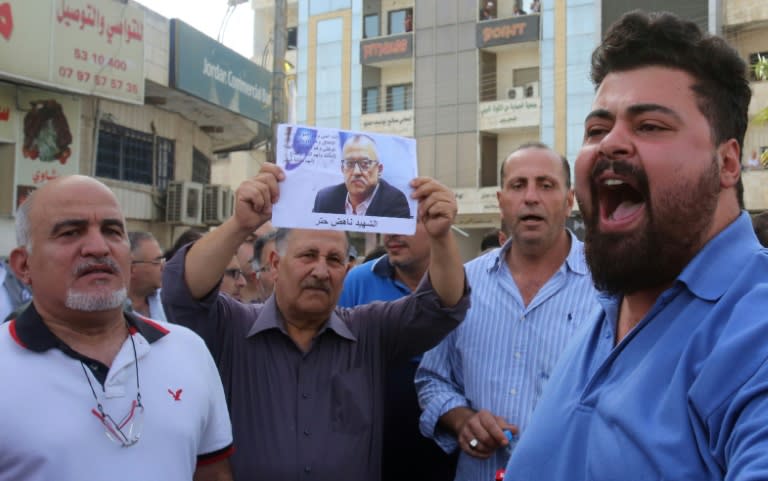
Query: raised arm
x=437, y=211
x=208, y=257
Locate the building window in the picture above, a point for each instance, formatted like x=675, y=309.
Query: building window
x=753, y=58
x=318, y=7
x=292, y=38
x=371, y=100
x=399, y=97
x=164, y=154
x=400, y=21
x=126, y=154
x=371, y=26
x=201, y=167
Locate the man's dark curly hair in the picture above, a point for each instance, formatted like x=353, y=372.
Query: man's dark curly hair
x=641, y=39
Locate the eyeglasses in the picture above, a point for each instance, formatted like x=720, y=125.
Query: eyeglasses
x=127, y=432
x=157, y=262
x=362, y=164
x=234, y=273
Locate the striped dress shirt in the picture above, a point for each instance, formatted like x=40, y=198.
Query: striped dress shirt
x=501, y=356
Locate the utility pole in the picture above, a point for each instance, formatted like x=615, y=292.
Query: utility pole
x=279, y=47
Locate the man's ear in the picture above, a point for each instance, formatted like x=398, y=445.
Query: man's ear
x=274, y=262
x=569, y=200
x=381, y=167
x=730, y=163
x=19, y=263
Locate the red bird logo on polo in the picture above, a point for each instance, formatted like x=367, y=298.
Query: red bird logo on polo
x=176, y=395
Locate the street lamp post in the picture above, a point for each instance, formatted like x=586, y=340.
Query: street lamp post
x=279, y=41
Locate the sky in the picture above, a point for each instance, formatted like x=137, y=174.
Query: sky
x=207, y=16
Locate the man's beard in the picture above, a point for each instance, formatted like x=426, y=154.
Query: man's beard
x=93, y=302
x=656, y=253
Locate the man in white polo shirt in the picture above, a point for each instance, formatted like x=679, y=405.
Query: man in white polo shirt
x=90, y=392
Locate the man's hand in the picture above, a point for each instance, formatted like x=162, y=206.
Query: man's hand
x=209, y=256
x=255, y=196
x=437, y=205
x=482, y=433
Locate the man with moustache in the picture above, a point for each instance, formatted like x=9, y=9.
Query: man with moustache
x=89, y=391
x=406, y=453
x=670, y=380
x=304, y=378
x=363, y=192
x=528, y=298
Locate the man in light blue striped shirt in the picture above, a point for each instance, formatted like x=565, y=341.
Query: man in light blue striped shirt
x=528, y=298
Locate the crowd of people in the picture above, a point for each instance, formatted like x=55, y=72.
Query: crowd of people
x=255, y=353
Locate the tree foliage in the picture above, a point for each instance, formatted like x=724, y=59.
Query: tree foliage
x=760, y=68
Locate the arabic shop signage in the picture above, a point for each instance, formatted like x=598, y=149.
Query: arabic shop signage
x=207, y=69
x=393, y=47
x=477, y=201
x=395, y=123
x=92, y=47
x=505, y=31
x=504, y=114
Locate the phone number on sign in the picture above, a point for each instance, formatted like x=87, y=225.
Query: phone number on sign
x=100, y=60
x=98, y=80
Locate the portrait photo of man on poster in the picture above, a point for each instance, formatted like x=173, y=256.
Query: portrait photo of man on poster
x=349, y=180
x=364, y=191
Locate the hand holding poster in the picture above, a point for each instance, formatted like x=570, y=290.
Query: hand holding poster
x=345, y=180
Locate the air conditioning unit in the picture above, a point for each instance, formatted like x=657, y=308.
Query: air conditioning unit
x=217, y=204
x=532, y=90
x=515, y=93
x=184, y=203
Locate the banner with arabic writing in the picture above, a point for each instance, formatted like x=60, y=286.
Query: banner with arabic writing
x=93, y=47
x=345, y=180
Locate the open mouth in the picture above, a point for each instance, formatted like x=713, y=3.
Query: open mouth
x=620, y=201
x=531, y=218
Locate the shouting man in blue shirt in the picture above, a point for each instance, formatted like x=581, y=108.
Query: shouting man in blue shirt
x=671, y=381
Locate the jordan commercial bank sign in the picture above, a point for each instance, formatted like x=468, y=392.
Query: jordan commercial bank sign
x=207, y=69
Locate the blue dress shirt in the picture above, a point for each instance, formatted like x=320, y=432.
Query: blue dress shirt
x=372, y=281
x=500, y=357
x=684, y=396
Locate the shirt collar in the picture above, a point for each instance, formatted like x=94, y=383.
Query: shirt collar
x=383, y=268
x=270, y=318
x=716, y=266
x=30, y=331
x=575, y=261
x=362, y=207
